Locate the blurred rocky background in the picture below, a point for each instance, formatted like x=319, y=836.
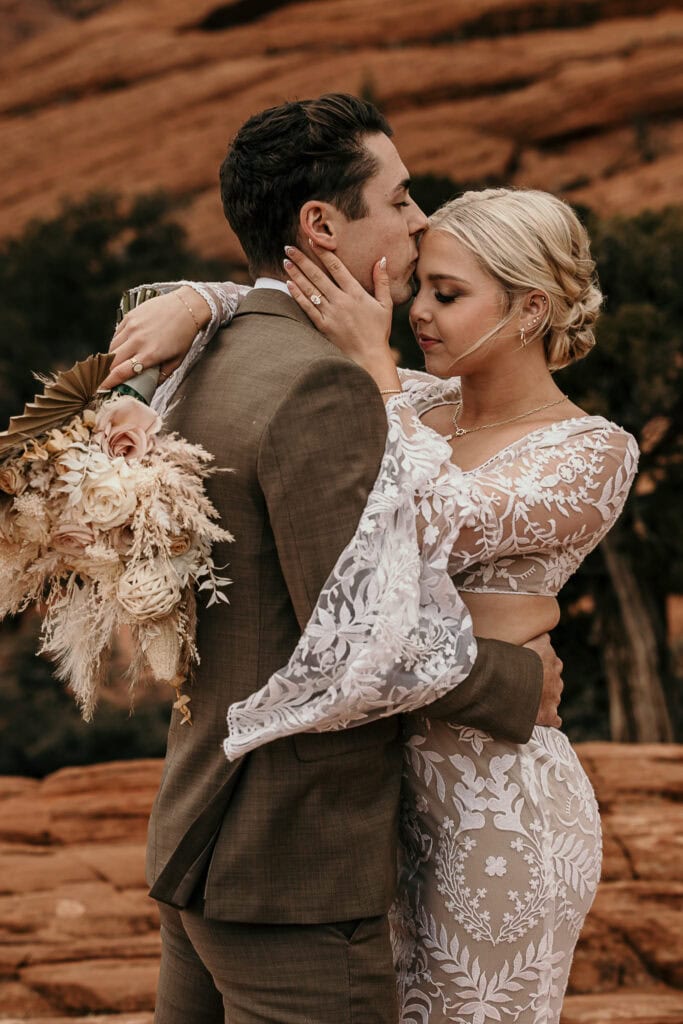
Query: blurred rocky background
x=79, y=936
x=114, y=118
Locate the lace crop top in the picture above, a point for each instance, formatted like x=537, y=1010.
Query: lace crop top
x=544, y=501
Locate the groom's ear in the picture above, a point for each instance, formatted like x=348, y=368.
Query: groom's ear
x=320, y=222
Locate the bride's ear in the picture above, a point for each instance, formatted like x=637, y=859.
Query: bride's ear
x=318, y=221
x=535, y=304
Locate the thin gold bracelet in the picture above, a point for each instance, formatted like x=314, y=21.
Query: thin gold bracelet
x=391, y=391
x=189, y=309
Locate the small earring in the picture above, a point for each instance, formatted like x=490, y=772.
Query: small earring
x=522, y=335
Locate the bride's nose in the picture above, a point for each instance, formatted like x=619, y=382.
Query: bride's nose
x=419, y=313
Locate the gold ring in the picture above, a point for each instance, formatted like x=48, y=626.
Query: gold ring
x=315, y=299
x=138, y=367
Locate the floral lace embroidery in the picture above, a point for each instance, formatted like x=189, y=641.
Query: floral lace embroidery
x=548, y=500
x=389, y=632
x=501, y=862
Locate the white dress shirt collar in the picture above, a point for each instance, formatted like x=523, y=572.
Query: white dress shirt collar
x=271, y=282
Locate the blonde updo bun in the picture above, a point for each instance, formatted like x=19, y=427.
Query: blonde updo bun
x=529, y=240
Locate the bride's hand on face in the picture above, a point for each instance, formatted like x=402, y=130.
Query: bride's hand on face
x=158, y=332
x=358, y=323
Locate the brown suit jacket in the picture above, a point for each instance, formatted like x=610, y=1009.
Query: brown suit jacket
x=304, y=829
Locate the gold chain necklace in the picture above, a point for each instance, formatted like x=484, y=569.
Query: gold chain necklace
x=461, y=431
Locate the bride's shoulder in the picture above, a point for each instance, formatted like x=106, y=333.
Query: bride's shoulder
x=595, y=438
x=593, y=429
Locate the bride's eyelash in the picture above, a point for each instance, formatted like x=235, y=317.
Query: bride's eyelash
x=445, y=299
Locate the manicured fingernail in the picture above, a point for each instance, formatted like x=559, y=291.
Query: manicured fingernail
x=290, y=285
x=287, y=264
x=383, y=263
x=289, y=249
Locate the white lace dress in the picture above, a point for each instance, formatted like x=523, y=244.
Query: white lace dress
x=500, y=842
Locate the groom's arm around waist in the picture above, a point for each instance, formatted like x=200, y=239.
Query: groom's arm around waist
x=501, y=695
x=318, y=460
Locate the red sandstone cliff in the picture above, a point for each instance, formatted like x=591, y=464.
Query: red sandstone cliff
x=78, y=933
x=585, y=99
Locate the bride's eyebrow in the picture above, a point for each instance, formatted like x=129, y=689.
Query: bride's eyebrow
x=447, y=277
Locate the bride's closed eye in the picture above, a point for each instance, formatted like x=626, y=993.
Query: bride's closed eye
x=445, y=299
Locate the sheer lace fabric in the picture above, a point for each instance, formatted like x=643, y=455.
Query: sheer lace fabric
x=501, y=861
x=222, y=299
x=546, y=500
x=389, y=632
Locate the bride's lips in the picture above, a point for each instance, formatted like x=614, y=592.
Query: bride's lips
x=426, y=343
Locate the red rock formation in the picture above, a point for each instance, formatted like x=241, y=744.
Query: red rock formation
x=78, y=933
x=584, y=99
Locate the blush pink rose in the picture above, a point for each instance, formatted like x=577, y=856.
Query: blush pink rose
x=73, y=538
x=126, y=427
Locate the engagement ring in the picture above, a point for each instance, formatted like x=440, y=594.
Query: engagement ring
x=138, y=367
x=315, y=299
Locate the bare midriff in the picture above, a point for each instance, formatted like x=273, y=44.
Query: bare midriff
x=516, y=618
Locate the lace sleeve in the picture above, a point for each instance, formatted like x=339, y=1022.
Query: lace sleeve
x=389, y=632
x=553, y=501
x=222, y=299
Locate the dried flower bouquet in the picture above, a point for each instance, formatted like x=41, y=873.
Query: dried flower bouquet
x=105, y=523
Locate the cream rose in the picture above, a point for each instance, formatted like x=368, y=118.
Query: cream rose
x=179, y=544
x=127, y=428
x=107, y=494
x=12, y=480
x=149, y=590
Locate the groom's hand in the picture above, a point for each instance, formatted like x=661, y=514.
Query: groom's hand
x=552, y=681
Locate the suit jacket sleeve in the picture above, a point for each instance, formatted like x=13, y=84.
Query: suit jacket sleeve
x=501, y=695
x=318, y=461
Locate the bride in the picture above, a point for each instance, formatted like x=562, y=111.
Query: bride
x=501, y=843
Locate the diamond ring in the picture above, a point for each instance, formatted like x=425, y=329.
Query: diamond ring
x=315, y=299
x=138, y=367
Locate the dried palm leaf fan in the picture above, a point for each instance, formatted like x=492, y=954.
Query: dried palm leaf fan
x=66, y=394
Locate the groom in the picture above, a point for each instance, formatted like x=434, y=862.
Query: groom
x=274, y=875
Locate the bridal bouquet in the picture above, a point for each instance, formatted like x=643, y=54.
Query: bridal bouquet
x=105, y=523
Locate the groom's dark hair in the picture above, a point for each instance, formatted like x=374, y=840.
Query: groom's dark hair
x=286, y=155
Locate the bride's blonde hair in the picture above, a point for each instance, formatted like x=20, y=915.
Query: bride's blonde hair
x=530, y=240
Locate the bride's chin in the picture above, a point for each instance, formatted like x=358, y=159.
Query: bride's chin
x=436, y=366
